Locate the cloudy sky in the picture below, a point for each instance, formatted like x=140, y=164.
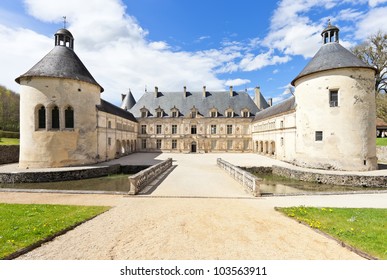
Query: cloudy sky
x=140, y=44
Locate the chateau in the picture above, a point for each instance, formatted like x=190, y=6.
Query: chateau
x=329, y=123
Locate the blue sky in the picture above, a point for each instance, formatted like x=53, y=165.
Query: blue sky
x=140, y=44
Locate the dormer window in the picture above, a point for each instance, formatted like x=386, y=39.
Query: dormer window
x=194, y=112
x=213, y=113
x=174, y=112
x=229, y=113
x=245, y=113
x=159, y=112
x=144, y=112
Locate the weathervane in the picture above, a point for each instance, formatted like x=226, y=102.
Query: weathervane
x=64, y=22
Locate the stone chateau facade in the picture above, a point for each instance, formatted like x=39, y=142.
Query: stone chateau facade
x=329, y=123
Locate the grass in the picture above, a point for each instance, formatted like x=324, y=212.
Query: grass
x=381, y=141
x=9, y=141
x=364, y=229
x=22, y=225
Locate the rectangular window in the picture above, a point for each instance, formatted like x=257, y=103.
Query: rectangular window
x=193, y=114
x=333, y=98
x=143, y=129
x=246, y=144
x=282, y=124
x=174, y=144
x=158, y=129
x=229, y=129
x=229, y=144
x=319, y=136
x=174, y=114
x=213, y=144
x=158, y=144
x=109, y=141
x=245, y=114
x=143, y=143
x=109, y=124
x=213, y=114
x=229, y=114
x=193, y=129
x=282, y=141
x=159, y=114
x=174, y=129
x=213, y=129
x=144, y=114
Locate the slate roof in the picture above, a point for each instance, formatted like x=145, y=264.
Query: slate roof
x=283, y=107
x=114, y=110
x=331, y=56
x=60, y=62
x=128, y=102
x=221, y=100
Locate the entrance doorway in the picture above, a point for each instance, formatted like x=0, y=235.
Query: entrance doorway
x=193, y=147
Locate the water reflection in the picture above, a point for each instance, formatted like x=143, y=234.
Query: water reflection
x=277, y=185
x=113, y=183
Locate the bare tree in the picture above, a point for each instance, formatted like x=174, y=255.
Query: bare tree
x=374, y=52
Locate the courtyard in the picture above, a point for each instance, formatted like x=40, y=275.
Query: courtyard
x=196, y=212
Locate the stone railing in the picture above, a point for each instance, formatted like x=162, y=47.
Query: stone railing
x=138, y=181
x=246, y=179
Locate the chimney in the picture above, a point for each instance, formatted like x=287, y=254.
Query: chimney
x=257, y=100
x=185, y=91
x=156, y=92
x=270, y=102
x=204, y=91
x=231, y=91
x=123, y=96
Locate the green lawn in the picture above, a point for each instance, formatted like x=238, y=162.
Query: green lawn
x=364, y=229
x=9, y=141
x=381, y=141
x=22, y=225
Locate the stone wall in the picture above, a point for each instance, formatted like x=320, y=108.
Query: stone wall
x=56, y=176
x=381, y=153
x=9, y=154
x=332, y=179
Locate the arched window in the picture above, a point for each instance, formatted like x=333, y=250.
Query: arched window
x=69, y=117
x=55, y=118
x=42, y=118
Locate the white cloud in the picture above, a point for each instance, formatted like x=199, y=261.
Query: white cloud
x=20, y=50
x=251, y=62
x=114, y=48
x=374, y=3
x=237, y=82
x=371, y=23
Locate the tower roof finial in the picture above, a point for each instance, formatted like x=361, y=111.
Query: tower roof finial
x=64, y=22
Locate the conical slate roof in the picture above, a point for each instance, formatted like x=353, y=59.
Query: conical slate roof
x=331, y=56
x=128, y=102
x=61, y=62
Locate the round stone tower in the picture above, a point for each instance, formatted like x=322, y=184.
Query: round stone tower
x=58, y=98
x=335, y=114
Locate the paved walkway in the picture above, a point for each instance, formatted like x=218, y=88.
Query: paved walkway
x=197, y=212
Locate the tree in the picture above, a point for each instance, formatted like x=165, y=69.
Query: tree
x=374, y=52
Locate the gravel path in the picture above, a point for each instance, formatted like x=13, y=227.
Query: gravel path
x=197, y=212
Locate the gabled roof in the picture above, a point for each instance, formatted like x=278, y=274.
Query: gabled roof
x=61, y=62
x=114, y=110
x=221, y=100
x=331, y=56
x=280, y=108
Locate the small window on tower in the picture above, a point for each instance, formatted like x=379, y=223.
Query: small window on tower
x=319, y=136
x=333, y=98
